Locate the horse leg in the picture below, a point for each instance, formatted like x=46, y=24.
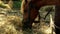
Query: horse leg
x=57, y=20
x=27, y=27
x=27, y=24
x=39, y=17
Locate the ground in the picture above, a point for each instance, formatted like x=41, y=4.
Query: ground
x=11, y=23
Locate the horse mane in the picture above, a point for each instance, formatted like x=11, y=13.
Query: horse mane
x=22, y=6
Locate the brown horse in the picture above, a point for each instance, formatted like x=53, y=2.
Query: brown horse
x=30, y=11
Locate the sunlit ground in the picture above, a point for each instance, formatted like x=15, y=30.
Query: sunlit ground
x=43, y=29
x=10, y=28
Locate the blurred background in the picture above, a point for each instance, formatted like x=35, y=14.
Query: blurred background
x=11, y=18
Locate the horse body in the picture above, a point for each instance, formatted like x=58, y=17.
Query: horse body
x=35, y=6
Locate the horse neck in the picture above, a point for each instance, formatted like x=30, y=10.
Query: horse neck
x=41, y=3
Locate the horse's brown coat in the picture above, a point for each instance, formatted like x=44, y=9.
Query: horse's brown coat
x=38, y=4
